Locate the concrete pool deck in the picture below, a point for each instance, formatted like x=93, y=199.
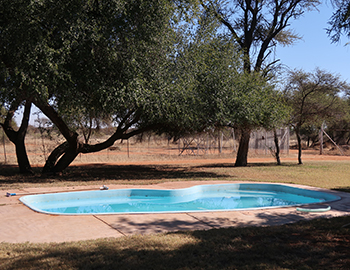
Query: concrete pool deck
x=20, y=224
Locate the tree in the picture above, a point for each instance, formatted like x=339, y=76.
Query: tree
x=256, y=27
x=225, y=95
x=17, y=137
x=255, y=104
x=109, y=57
x=340, y=20
x=313, y=98
x=338, y=127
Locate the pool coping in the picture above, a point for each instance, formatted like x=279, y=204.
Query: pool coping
x=20, y=224
x=179, y=194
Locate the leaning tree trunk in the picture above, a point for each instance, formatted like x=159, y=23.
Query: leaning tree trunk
x=70, y=153
x=60, y=158
x=65, y=154
x=242, y=154
x=54, y=156
x=65, y=160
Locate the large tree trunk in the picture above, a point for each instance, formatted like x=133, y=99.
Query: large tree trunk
x=18, y=137
x=61, y=157
x=21, y=153
x=54, y=156
x=64, y=154
x=68, y=150
x=69, y=153
x=65, y=160
x=22, y=157
x=242, y=154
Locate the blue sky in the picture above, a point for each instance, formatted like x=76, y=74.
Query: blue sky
x=315, y=49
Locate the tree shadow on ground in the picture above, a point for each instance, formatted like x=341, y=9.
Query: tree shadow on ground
x=343, y=189
x=98, y=172
x=320, y=244
x=255, y=164
x=146, y=224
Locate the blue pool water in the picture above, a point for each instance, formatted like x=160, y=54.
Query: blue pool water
x=219, y=197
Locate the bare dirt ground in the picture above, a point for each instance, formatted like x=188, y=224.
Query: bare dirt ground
x=160, y=151
x=307, y=155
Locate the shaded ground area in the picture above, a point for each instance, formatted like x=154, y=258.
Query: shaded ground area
x=163, y=167
x=319, y=244
x=147, y=174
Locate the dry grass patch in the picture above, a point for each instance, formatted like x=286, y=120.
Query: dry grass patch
x=324, y=174
x=317, y=244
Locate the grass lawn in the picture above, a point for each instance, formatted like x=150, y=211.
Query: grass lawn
x=316, y=244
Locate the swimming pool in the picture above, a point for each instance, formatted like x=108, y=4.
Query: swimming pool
x=201, y=198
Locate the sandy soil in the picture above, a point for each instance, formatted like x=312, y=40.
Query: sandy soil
x=307, y=155
x=160, y=152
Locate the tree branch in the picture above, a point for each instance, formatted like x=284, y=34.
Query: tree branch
x=25, y=119
x=223, y=21
x=50, y=112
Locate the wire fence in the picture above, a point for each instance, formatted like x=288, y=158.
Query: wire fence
x=262, y=141
x=148, y=146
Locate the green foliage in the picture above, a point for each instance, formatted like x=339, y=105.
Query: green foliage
x=210, y=67
x=256, y=27
x=3, y=113
x=255, y=103
x=102, y=59
x=129, y=61
x=313, y=97
x=108, y=57
x=26, y=57
x=338, y=127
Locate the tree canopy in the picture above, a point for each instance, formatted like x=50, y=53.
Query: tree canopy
x=340, y=20
x=109, y=57
x=256, y=27
x=226, y=96
x=135, y=64
x=313, y=98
